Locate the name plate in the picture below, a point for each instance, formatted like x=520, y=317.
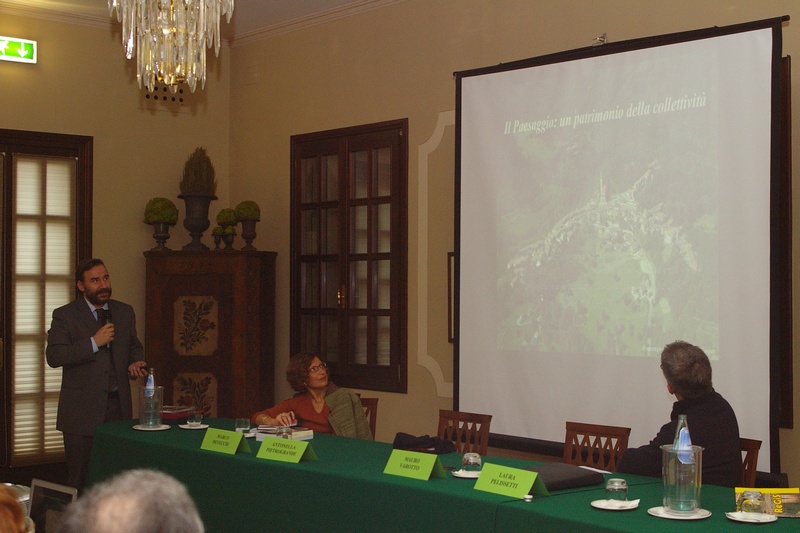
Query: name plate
x=286, y=450
x=416, y=465
x=224, y=441
x=508, y=481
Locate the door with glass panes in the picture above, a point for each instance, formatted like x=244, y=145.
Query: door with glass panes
x=349, y=252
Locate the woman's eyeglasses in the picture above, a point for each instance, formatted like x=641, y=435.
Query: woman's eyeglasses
x=314, y=369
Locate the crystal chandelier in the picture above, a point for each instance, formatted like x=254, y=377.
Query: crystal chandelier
x=169, y=38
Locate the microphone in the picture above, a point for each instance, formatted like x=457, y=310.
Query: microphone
x=108, y=321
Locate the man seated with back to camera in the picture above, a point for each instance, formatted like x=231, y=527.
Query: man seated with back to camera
x=712, y=422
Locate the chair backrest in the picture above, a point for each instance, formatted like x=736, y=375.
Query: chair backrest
x=468, y=431
x=370, y=406
x=750, y=449
x=595, y=445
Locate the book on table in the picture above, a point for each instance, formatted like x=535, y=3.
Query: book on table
x=298, y=432
x=781, y=502
x=174, y=414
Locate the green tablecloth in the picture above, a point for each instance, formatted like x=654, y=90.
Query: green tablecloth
x=346, y=490
x=573, y=512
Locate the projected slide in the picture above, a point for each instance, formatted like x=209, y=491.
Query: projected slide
x=610, y=226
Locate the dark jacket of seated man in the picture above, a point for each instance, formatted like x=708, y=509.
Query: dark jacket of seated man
x=712, y=425
x=712, y=422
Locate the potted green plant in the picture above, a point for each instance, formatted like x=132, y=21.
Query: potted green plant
x=216, y=233
x=248, y=214
x=226, y=217
x=228, y=234
x=198, y=187
x=160, y=213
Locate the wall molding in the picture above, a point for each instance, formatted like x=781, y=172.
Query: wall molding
x=443, y=388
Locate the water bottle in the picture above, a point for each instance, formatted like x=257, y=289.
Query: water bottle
x=686, y=494
x=149, y=416
x=685, y=497
x=150, y=386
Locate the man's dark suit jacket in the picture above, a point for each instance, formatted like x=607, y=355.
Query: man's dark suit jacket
x=712, y=425
x=84, y=385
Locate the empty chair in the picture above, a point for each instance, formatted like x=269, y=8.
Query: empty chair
x=595, y=445
x=371, y=410
x=468, y=431
x=750, y=449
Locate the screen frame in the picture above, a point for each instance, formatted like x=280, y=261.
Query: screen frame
x=780, y=328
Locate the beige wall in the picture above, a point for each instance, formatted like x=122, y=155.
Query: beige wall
x=83, y=85
x=385, y=64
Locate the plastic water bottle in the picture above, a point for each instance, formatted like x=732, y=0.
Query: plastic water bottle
x=149, y=416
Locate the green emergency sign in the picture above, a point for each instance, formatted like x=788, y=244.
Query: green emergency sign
x=18, y=50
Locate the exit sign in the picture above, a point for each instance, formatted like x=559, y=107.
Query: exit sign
x=19, y=50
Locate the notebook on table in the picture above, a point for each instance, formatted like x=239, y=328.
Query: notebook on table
x=560, y=476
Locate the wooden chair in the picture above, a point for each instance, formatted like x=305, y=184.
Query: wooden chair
x=595, y=445
x=750, y=449
x=468, y=431
x=371, y=410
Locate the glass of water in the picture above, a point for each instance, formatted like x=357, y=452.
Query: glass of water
x=617, y=489
x=471, y=462
x=242, y=425
x=195, y=417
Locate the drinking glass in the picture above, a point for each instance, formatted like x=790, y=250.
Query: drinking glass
x=195, y=417
x=682, y=472
x=617, y=489
x=242, y=425
x=752, y=501
x=471, y=462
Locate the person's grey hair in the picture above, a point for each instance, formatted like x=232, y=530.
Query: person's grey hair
x=686, y=367
x=136, y=501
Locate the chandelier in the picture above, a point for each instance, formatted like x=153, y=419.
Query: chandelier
x=169, y=38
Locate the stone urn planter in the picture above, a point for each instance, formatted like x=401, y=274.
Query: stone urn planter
x=198, y=188
x=196, y=221
x=248, y=214
x=160, y=213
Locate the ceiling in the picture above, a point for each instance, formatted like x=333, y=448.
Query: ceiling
x=252, y=19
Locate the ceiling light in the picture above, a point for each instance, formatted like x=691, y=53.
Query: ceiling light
x=169, y=38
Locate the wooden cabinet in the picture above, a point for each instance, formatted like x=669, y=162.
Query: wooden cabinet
x=210, y=329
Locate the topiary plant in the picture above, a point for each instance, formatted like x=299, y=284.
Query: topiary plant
x=248, y=210
x=226, y=217
x=198, y=174
x=160, y=210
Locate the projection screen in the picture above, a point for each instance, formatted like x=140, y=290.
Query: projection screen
x=610, y=201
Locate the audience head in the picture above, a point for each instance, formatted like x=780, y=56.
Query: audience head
x=12, y=518
x=687, y=370
x=136, y=501
x=297, y=371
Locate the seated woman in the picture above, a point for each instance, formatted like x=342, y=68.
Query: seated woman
x=318, y=404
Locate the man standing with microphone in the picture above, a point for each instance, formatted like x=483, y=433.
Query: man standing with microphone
x=98, y=356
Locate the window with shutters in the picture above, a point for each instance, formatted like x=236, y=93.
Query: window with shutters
x=349, y=260
x=45, y=199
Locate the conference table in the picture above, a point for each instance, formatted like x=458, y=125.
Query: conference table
x=345, y=489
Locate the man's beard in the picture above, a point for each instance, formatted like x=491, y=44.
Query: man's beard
x=94, y=297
